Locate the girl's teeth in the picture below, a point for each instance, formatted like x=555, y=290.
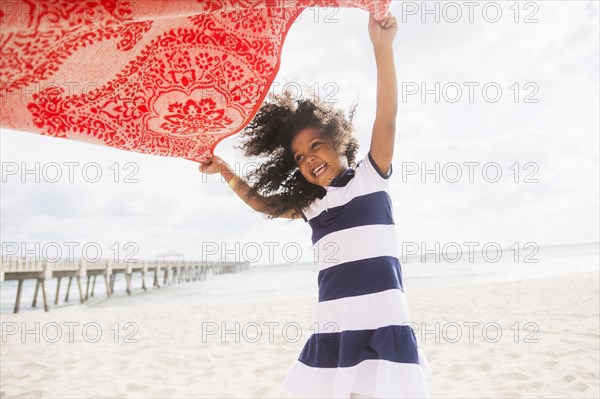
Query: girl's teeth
x=319, y=170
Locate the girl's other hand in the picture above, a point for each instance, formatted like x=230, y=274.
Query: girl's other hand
x=213, y=165
x=384, y=31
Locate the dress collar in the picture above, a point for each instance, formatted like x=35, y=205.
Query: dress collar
x=342, y=180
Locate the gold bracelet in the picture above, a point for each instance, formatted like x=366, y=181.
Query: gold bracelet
x=233, y=181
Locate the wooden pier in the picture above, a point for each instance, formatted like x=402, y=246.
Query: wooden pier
x=170, y=272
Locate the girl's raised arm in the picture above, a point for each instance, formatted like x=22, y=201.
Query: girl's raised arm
x=216, y=164
x=382, y=36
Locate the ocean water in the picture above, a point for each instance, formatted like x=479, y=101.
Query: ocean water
x=287, y=281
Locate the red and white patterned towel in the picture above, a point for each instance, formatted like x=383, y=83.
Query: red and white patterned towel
x=162, y=77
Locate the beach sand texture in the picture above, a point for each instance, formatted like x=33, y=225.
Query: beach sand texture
x=181, y=351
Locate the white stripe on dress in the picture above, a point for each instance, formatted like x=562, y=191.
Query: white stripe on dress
x=391, y=379
x=363, y=312
x=342, y=246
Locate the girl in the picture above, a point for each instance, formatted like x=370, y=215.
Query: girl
x=366, y=346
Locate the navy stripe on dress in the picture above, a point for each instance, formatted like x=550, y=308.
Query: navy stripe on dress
x=396, y=343
x=360, y=277
x=368, y=209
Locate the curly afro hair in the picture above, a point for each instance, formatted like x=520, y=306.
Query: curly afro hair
x=270, y=135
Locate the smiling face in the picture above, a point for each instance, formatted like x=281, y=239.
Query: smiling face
x=318, y=161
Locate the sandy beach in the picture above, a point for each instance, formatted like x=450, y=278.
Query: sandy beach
x=530, y=338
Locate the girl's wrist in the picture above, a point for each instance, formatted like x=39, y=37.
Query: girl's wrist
x=233, y=181
x=231, y=178
x=379, y=47
x=227, y=173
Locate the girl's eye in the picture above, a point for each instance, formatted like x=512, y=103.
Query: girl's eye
x=312, y=146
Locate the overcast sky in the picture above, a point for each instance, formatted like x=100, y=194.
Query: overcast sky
x=549, y=135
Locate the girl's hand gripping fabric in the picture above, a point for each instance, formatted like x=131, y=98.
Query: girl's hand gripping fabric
x=382, y=32
x=214, y=164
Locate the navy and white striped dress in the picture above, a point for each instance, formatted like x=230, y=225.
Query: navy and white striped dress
x=363, y=342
